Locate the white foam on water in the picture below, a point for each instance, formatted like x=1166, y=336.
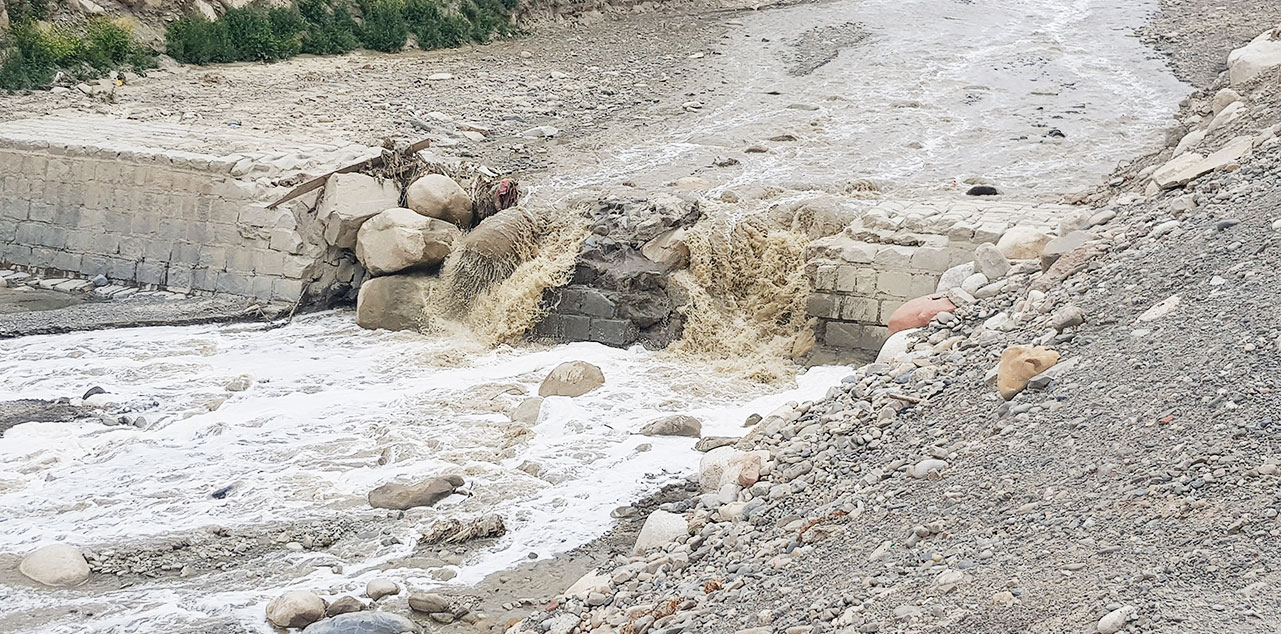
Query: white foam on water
x=305, y=440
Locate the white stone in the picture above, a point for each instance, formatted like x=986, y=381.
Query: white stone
x=394, y=302
x=348, y=201
x=1113, y=621
x=895, y=346
x=439, y=196
x=661, y=528
x=953, y=277
x=591, y=582
x=298, y=608
x=1022, y=242
x=527, y=412
x=1160, y=309
x=729, y=465
x=1250, y=61
x=924, y=468
x=974, y=282
x=57, y=565
x=1186, y=168
x=399, y=238
x=989, y=261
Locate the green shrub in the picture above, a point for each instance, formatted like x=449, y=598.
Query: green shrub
x=325, y=27
x=330, y=29
x=385, y=28
x=33, y=52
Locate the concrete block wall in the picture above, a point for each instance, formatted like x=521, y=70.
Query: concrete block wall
x=138, y=204
x=583, y=313
x=896, y=252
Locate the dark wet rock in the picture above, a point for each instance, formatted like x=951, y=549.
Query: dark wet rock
x=37, y=411
x=983, y=190
x=618, y=292
x=95, y=390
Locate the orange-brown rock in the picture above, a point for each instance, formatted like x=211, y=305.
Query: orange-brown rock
x=1019, y=364
x=918, y=312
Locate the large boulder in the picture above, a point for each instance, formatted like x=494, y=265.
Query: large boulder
x=1022, y=243
x=917, y=313
x=660, y=529
x=1019, y=364
x=364, y=623
x=394, y=302
x=674, y=425
x=572, y=378
x=397, y=239
x=298, y=608
x=397, y=496
x=438, y=196
x=1253, y=59
x=668, y=249
x=1184, y=169
x=57, y=565
x=348, y=201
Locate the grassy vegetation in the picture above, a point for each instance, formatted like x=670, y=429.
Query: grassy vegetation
x=33, y=52
x=323, y=27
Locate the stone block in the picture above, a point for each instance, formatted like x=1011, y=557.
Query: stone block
x=29, y=233
x=233, y=283
x=823, y=305
x=8, y=230
x=263, y=286
x=295, y=267
x=587, y=301
x=860, y=280
x=825, y=277
x=285, y=241
x=893, y=257
x=843, y=335
x=16, y=254
x=152, y=273
x=66, y=261
x=888, y=307
x=261, y=216
x=286, y=290
x=576, y=328
x=873, y=337
x=185, y=253
x=42, y=212
x=269, y=263
x=923, y=284
x=351, y=199
x=895, y=283
x=613, y=332
x=933, y=259
x=14, y=209
x=121, y=269
x=179, y=278
x=91, y=265
x=157, y=250
x=863, y=309
x=143, y=224
x=990, y=232
x=132, y=247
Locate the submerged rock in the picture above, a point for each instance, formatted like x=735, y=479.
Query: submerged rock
x=406, y=496
x=572, y=378
x=57, y=565
x=674, y=425
x=364, y=623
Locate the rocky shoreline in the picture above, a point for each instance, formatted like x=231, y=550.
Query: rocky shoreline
x=1129, y=488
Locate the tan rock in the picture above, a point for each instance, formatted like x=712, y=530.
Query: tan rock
x=438, y=196
x=1019, y=364
x=394, y=302
x=57, y=565
x=668, y=249
x=1260, y=55
x=1022, y=243
x=397, y=239
x=572, y=378
x=298, y=608
x=348, y=201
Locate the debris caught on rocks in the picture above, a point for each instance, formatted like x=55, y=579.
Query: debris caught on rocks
x=455, y=531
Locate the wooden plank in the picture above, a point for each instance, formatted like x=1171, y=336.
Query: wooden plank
x=319, y=181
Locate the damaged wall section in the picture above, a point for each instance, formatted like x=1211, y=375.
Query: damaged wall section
x=159, y=206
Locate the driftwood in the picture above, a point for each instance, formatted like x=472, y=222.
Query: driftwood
x=371, y=163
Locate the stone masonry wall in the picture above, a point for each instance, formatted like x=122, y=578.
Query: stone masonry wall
x=160, y=206
x=898, y=251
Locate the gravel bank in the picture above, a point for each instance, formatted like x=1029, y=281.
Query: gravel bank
x=1133, y=488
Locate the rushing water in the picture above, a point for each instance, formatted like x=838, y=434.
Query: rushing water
x=925, y=93
x=914, y=93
